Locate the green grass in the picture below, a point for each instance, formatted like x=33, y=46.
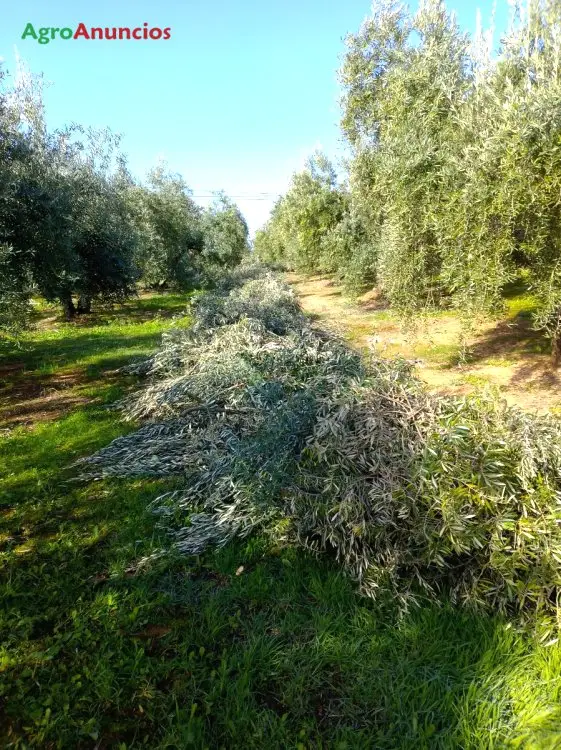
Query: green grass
x=99, y=650
x=438, y=353
x=102, y=341
x=478, y=382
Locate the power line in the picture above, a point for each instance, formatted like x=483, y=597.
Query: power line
x=239, y=197
x=240, y=192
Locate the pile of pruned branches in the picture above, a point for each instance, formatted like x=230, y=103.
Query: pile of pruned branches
x=276, y=426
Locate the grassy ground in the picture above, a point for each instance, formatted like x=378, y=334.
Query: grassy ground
x=505, y=354
x=249, y=647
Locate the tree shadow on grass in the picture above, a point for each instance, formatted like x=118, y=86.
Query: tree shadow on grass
x=140, y=309
x=108, y=349
x=538, y=374
x=29, y=397
x=513, y=338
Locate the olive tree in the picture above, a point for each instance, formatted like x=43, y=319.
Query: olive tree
x=303, y=218
x=226, y=236
x=65, y=229
x=171, y=235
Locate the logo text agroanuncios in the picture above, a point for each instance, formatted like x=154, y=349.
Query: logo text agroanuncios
x=47, y=34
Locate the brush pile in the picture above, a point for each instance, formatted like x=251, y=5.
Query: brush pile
x=276, y=426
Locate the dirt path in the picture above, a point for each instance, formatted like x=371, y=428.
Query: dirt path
x=505, y=354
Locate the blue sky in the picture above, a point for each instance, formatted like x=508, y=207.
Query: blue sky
x=237, y=99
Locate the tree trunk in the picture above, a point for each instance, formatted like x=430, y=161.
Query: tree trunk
x=556, y=349
x=84, y=305
x=68, y=307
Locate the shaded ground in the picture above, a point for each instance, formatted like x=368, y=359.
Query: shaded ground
x=55, y=367
x=505, y=354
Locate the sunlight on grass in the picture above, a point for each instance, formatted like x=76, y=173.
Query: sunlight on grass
x=479, y=382
x=522, y=306
x=438, y=353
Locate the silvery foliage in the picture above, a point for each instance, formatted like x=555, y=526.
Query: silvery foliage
x=294, y=434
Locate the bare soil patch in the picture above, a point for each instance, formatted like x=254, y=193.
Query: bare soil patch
x=507, y=355
x=27, y=400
